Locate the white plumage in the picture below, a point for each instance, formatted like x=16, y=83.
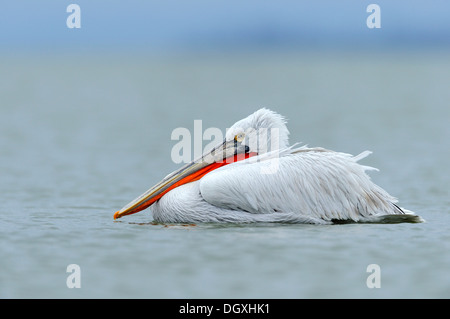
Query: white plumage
x=280, y=184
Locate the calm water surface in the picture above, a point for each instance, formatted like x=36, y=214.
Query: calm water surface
x=82, y=136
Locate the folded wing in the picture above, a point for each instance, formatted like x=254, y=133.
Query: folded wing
x=311, y=182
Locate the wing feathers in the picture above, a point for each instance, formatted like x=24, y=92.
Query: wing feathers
x=311, y=182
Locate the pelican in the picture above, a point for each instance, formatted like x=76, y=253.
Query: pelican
x=254, y=176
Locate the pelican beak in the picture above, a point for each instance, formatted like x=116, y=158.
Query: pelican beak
x=226, y=153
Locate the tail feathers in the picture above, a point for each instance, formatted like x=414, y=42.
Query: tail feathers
x=395, y=219
x=408, y=217
x=400, y=215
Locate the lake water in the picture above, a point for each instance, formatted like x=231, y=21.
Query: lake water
x=81, y=136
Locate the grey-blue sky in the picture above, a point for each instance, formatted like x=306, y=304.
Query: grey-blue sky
x=27, y=25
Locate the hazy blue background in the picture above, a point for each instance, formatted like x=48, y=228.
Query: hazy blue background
x=174, y=26
x=86, y=117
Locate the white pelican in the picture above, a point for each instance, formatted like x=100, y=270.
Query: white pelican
x=242, y=180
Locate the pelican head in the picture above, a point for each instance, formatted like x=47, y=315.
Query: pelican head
x=259, y=133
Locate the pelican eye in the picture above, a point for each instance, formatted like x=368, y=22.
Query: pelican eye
x=239, y=137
